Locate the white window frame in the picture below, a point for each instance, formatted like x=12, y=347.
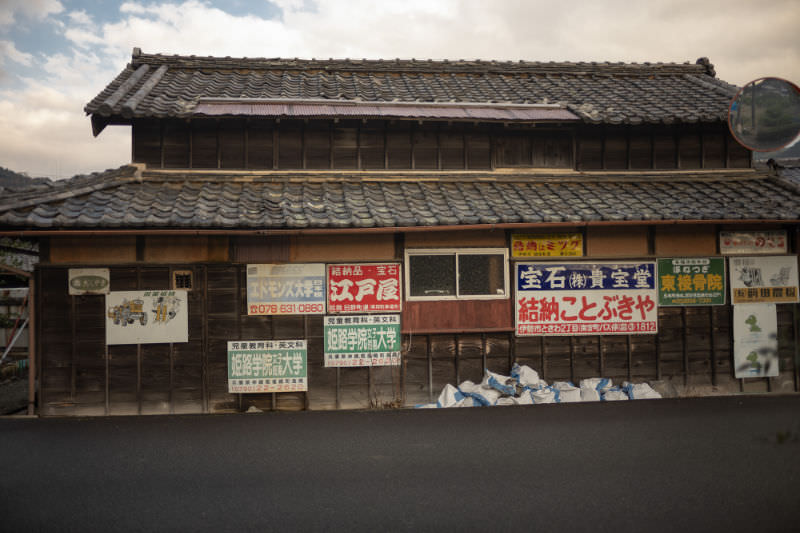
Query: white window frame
x=456, y=252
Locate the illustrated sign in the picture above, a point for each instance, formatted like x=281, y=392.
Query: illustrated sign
x=297, y=289
x=755, y=340
x=764, y=279
x=547, y=245
x=362, y=340
x=602, y=298
x=147, y=317
x=752, y=242
x=364, y=288
x=88, y=281
x=267, y=366
x=691, y=281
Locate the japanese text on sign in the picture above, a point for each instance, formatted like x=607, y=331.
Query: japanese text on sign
x=766, y=279
x=267, y=366
x=752, y=242
x=286, y=289
x=547, y=245
x=365, y=340
x=364, y=288
x=691, y=281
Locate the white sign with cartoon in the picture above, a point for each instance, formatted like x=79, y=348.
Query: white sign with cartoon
x=147, y=317
x=755, y=340
x=768, y=279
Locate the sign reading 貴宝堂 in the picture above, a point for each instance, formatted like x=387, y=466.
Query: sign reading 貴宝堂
x=691, y=281
x=764, y=279
x=267, y=366
x=362, y=340
x=88, y=281
x=147, y=317
x=586, y=298
x=291, y=289
x=755, y=340
x=547, y=245
x=752, y=242
x=364, y=288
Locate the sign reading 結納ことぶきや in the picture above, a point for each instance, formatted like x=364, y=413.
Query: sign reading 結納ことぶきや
x=364, y=288
x=267, y=366
x=585, y=298
x=689, y=281
x=290, y=289
x=362, y=340
x=764, y=279
x=147, y=317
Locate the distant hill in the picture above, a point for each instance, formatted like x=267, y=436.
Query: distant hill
x=15, y=180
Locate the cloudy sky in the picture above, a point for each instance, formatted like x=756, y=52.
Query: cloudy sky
x=56, y=55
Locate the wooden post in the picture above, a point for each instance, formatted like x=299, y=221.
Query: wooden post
x=430, y=369
x=483, y=353
x=139, y=378
x=541, y=354
x=602, y=350
x=458, y=357
x=204, y=348
x=713, y=347
x=796, y=361
x=630, y=358
x=685, y=348
x=572, y=358
x=171, y=378
x=338, y=387
x=31, y=348
x=73, y=355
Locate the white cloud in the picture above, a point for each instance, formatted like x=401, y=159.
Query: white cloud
x=81, y=18
x=10, y=52
x=33, y=9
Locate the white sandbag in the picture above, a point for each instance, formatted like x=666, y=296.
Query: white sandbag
x=426, y=406
x=525, y=375
x=483, y=395
x=503, y=384
x=567, y=392
x=614, y=394
x=449, y=397
x=598, y=384
x=590, y=395
x=525, y=398
x=545, y=395
x=468, y=401
x=640, y=391
x=506, y=400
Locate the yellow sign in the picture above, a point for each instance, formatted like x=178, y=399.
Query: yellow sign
x=547, y=245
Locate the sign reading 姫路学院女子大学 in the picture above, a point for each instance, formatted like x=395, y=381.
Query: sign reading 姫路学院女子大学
x=267, y=366
x=362, y=340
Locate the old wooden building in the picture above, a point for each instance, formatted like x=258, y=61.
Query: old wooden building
x=445, y=169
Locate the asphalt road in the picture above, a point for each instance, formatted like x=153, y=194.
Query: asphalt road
x=710, y=464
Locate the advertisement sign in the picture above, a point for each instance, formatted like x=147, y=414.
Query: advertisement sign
x=752, y=242
x=147, y=317
x=601, y=298
x=267, y=366
x=755, y=340
x=364, y=288
x=547, y=245
x=763, y=279
x=362, y=340
x=691, y=281
x=88, y=281
x=286, y=289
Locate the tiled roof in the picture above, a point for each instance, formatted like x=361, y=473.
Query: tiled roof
x=129, y=198
x=615, y=93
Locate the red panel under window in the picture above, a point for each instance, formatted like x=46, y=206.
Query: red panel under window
x=456, y=315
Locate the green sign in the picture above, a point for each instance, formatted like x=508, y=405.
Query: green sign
x=362, y=340
x=689, y=281
x=267, y=366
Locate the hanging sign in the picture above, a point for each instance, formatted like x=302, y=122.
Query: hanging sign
x=547, y=245
x=267, y=366
x=364, y=288
x=88, y=281
x=755, y=340
x=291, y=289
x=362, y=340
x=752, y=242
x=770, y=279
x=601, y=298
x=691, y=281
x=147, y=317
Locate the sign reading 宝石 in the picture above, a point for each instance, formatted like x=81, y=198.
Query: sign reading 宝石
x=364, y=288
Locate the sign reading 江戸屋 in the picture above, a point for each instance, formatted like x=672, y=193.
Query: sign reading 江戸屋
x=771, y=279
x=547, y=245
x=752, y=242
x=364, y=288
x=362, y=340
x=600, y=298
x=147, y=317
x=88, y=281
x=755, y=340
x=267, y=366
x=691, y=281
x=291, y=289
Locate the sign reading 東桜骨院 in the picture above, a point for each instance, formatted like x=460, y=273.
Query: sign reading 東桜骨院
x=364, y=288
x=147, y=317
x=752, y=242
x=765, y=279
x=691, y=281
x=267, y=366
x=290, y=289
x=547, y=245
x=362, y=340
x=587, y=298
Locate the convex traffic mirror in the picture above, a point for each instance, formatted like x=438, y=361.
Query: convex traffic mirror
x=764, y=116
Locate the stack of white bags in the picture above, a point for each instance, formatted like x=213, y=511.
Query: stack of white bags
x=524, y=387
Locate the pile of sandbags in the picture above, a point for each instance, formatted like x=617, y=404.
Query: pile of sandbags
x=523, y=387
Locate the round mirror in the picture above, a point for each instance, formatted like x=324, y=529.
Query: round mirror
x=764, y=116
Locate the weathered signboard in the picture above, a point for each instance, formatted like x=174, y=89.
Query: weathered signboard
x=291, y=289
x=547, y=245
x=752, y=242
x=690, y=281
x=364, y=288
x=267, y=366
x=362, y=340
x=587, y=298
x=88, y=281
x=755, y=340
x=147, y=317
x=766, y=279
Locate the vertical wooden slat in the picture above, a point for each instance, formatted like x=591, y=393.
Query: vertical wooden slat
x=34, y=361
x=238, y=288
x=171, y=378
x=512, y=352
x=457, y=359
x=305, y=336
x=572, y=359
x=219, y=146
x=658, y=357
x=601, y=349
x=204, y=354
x=483, y=353
x=370, y=387
x=544, y=360
x=107, y=399
x=338, y=387
x=73, y=355
x=139, y=378
x=630, y=357
x=713, y=346
x=685, y=347
x=275, y=146
x=430, y=368
x=796, y=347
